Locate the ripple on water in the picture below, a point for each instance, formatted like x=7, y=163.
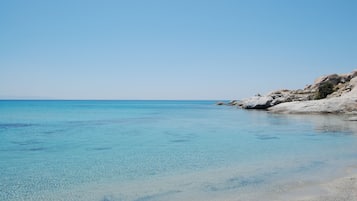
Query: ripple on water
x=27, y=142
x=235, y=183
x=267, y=137
x=157, y=195
x=14, y=125
x=99, y=148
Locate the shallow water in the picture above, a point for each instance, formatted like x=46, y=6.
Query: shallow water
x=163, y=150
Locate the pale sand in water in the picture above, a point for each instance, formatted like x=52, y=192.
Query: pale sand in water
x=341, y=189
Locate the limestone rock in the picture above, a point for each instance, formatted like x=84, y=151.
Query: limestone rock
x=257, y=102
x=341, y=97
x=345, y=104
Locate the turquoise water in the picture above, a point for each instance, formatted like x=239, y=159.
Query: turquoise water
x=163, y=150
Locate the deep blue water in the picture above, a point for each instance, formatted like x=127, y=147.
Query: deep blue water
x=163, y=150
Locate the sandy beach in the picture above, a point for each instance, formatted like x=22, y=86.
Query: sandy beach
x=339, y=189
x=342, y=189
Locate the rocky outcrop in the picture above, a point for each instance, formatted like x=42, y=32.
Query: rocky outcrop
x=329, y=94
x=275, y=98
x=345, y=103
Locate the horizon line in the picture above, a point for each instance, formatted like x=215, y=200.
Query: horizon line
x=20, y=99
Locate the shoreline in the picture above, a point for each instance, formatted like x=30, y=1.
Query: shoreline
x=343, y=188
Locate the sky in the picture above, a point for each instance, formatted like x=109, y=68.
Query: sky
x=167, y=49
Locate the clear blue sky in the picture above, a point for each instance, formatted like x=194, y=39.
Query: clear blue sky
x=184, y=49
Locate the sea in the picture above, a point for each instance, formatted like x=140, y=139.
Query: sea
x=136, y=150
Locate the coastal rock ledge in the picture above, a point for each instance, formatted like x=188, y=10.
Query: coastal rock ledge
x=329, y=94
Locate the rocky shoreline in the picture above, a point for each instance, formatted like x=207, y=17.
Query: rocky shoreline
x=334, y=94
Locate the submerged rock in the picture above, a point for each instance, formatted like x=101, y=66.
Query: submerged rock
x=220, y=103
x=230, y=103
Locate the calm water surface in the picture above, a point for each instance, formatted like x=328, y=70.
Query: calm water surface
x=163, y=150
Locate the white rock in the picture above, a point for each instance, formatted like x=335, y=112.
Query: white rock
x=347, y=103
x=257, y=102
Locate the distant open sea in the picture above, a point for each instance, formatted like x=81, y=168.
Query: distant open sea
x=164, y=150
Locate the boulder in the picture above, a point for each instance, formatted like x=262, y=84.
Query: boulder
x=257, y=102
x=232, y=102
